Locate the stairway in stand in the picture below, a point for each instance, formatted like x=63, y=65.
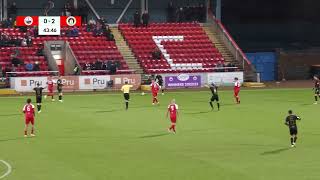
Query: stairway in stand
x=218, y=43
x=126, y=51
x=249, y=74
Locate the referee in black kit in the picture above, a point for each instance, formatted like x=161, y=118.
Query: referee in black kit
x=126, y=93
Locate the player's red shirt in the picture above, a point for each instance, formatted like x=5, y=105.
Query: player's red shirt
x=173, y=108
x=50, y=84
x=237, y=85
x=155, y=87
x=28, y=110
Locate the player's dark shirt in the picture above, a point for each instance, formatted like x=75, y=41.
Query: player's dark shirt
x=317, y=84
x=38, y=91
x=159, y=78
x=291, y=120
x=59, y=84
x=214, y=90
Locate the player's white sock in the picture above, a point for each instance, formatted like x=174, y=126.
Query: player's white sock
x=315, y=102
x=39, y=112
x=53, y=100
x=33, y=135
x=45, y=96
x=25, y=135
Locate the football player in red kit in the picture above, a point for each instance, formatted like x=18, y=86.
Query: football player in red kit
x=28, y=111
x=173, y=110
x=236, y=90
x=154, y=89
x=50, y=88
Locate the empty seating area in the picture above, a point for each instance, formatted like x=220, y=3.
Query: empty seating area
x=185, y=47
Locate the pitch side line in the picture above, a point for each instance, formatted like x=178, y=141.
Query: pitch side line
x=9, y=169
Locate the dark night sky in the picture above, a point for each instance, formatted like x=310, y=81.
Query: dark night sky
x=273, y=24
x=271, y=10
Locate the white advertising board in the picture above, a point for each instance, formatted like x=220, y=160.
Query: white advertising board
x=224, y=78
x=93, y=82
x=26, y=84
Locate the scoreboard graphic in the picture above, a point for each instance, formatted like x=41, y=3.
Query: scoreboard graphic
x=49, y=25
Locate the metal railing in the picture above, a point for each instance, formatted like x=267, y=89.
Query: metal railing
x=131, y=71
x=10, y=74
x=215, y=69
x=234, y=48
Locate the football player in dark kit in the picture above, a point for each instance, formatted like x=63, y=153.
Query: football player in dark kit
x=215, y=97
x=159, y=80
x=38, y=91
x=316, y=89
x=291, y=122
x=59, y=88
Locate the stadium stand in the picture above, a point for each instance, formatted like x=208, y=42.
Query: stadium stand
x=27, y=55
x=90, y=49
x=86, y=47
x=185, y=47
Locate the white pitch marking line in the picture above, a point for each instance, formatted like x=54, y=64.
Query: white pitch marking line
x=9, y=169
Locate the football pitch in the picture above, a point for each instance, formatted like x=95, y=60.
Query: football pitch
x=92, y=137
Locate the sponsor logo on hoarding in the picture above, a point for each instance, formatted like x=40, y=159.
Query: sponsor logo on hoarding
x=30, y=82
x=69, y=82
x=87, y=81
x=183, y=77
x=24, y=82
x=183, y=81
x=119, y=80
x=93, y=82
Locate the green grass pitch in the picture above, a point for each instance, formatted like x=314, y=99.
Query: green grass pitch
x=91, y=137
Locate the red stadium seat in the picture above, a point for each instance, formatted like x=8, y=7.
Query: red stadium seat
x=194, y=54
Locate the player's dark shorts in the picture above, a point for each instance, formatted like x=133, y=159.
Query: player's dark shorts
x=215, y=98
x=317, y=91
x=59, y=90
x=161, y=83
x=38, y=99
x=126, y=96
x=293, y=130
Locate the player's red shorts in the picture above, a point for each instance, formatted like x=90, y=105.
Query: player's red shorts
x=50, y=91
x=236, y=92
x=154, y=94
x=29, y=120
x=173, y=119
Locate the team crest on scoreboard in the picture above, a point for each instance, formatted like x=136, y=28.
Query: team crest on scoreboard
x=28, y=20
x=71, y=21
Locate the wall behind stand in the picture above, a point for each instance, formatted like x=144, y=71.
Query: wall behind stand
x=297, y=65
x=265, y=64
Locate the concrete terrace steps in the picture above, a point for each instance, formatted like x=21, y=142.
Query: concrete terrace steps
x=126, y=51
x=219, y=44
